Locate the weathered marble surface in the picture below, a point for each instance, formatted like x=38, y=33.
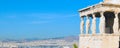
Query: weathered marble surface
x=109, y=26
x=99, y=41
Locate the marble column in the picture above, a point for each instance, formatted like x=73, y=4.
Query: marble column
x=93, y=27
x=116, y=24
x=82, y=25
x=102, y=23
x=87, y=25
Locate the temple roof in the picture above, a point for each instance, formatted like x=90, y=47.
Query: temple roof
x=101, y=3
x=106, y=5
x=89, y=7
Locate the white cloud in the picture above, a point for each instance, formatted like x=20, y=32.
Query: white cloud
x=48, y=18
x=39, y=22
x=51, y=16
x=9, y=15
x=71, y=15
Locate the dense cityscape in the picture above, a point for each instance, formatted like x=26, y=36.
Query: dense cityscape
x=66, y=42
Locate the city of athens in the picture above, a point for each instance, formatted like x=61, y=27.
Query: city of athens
x=59, y=23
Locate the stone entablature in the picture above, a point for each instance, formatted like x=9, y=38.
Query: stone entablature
x=101, y=7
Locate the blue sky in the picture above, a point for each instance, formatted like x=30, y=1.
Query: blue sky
x=20, y=19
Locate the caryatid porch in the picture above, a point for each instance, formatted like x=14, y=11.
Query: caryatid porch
x=109, y=15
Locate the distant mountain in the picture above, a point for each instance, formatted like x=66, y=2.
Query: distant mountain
x=68, y=38
x=71, y=38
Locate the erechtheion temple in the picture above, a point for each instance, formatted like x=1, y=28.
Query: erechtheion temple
x=104, y=32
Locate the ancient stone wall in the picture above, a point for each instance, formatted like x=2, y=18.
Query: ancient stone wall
x=99, y=41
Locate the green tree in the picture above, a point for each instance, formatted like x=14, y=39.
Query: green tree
x=75, y=46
